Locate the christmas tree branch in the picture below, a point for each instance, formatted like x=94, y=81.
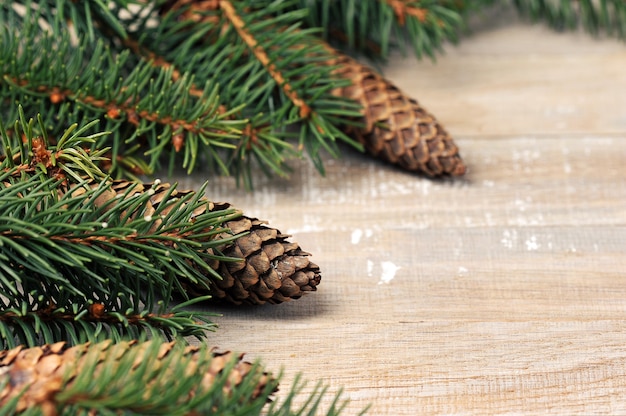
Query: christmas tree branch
x=375, y=27
x=261, y=54
x=70, y=254
x=274, y=69
x=147, y=377
x=608, y=16
x=137, y=377
x=256, y=135
x=56, y=258
x=84, y=258
x=43, y=321
x=70, y=238
x=133, y=98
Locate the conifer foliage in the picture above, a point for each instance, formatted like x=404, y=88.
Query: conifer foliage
x=94, y=262
x=85, y=260
x=241, y=85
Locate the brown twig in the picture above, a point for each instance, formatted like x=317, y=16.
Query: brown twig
x=401, y=9
x=96, y=313
x=260, y=53
x=113, y=110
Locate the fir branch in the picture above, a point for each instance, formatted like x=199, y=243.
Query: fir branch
x=147, y=377
x=595, y=16
x=375, y=27
x=61, y=247
x=96, y=230
x=77, y=321
x=132, y=378
x=293, y=87
x=110, y=255
x=91, y=80
x=256, y=136
x=69, y=244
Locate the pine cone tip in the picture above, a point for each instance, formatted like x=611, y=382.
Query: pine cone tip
x=272, y=269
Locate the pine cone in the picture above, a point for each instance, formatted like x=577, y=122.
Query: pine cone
x=41, y=373
x=396, y=128
x=274, y=269
x=271, y=270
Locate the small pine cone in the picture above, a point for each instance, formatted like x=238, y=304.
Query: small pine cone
x=396, y=128
x=271, y=270
x=41, y=373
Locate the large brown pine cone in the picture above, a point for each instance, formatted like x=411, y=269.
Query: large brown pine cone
x=397, y=128
x=41, y=373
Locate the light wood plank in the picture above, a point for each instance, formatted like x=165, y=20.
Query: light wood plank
x=500, y=293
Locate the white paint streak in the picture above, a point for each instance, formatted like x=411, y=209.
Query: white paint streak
x=389, y=272
x=356, y=236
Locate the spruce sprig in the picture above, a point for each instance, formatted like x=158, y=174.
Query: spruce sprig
x=264, y=60
x=76, y=253
x=233, y=86
x=147, y=378
x=96, y=268
x=596, y=17
x=60, y=71
x=375, y=27
x=160, y=104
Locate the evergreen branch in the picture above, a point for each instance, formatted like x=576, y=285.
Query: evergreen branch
x=97, y=231
x=293, y=87
x=261, y=54
x=68, y=245
x=147, y=377
x=86, y=259
x=375, y=27
x=77, y=321
x=133, y=98
x=55, y=257
x=595, y=16
x=254, y=135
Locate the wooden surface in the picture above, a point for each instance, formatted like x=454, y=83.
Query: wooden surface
x=500, y=293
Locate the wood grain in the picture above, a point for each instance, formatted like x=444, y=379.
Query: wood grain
x=501, y=293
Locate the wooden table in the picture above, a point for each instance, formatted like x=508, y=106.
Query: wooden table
x=503, y=292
